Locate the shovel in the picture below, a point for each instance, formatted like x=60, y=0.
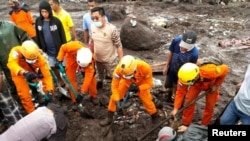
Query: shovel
x=39, y=88
x=170, y=117
x=59, y=88
x=119, y=108
x=120, y=105
x=65, y=77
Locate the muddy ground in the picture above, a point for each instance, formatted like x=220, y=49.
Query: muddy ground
x=213, y=23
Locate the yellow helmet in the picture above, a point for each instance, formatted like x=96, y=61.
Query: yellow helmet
x=188, y=73
x=30, y=50
x=128, y=65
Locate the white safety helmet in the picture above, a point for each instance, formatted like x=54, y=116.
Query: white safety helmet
x=84, y=57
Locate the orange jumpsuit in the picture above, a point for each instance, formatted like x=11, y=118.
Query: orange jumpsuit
x=24, y=20
x=142, y=78
x=17, y=63
x=210, y=75
x=89, y=83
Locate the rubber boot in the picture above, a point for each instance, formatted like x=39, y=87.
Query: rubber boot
x=108, y=120
x=99, y=85
x=95, y=101
x=155, y=118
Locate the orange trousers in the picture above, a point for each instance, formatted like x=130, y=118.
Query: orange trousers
x=145, y=97
x=71, y=74
x=211, y=99
x=23, y=91
x=92, y=88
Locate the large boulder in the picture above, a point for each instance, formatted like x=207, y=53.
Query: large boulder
x=115, y=12
x=138, y=37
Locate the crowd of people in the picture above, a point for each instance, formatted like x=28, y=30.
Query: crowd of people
x=25, y=40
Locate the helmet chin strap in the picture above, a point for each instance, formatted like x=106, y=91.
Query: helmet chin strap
x=194, y=80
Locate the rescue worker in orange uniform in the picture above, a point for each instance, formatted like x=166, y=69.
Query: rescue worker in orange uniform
x=22, y=17
x=131, y=75
x=26, y=64
x=78, y=55
x=192, y=79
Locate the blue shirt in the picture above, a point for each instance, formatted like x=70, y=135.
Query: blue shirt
x=51, y=48
x=242, y=99
x=87, y=21
x=178, y=58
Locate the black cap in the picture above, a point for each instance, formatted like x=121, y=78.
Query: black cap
x=188, y=39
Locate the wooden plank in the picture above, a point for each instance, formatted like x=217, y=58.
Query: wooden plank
x=157, y=67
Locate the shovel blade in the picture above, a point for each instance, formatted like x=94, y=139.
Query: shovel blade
x=63, y=91
x=84, y=111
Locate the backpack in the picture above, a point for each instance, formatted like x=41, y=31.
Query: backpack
x=209, y=67
x=209, y=60
x=25, y=7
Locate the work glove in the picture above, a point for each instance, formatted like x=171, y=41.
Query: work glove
x=99, y=84
x=39, y=74
x=58, y=63
x=133, y=88
x=48, y=97
x=29, y=76
x=79, y=98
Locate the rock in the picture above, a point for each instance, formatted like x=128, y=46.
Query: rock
x=115, y=12
x=138, y=37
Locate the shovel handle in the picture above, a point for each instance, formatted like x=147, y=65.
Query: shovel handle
x=64, y=75
x=170, y=117
x=120, y=105
x=61, y=69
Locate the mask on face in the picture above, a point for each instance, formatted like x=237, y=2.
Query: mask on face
x=98, y=24
x=128, y=76
x=31, y=61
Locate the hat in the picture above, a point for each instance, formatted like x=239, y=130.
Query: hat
x=188, y=39
x=166, y=134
